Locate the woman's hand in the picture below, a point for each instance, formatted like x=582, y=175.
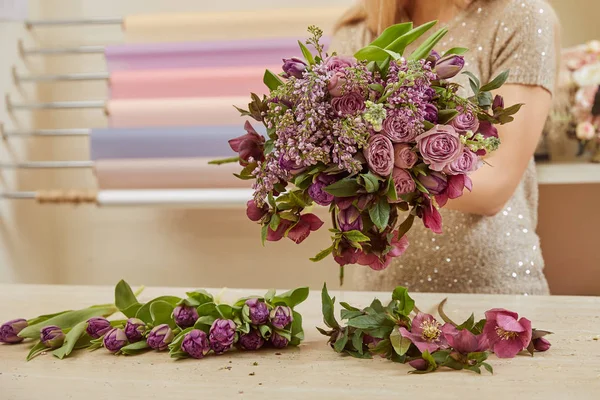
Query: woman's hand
x=494, y=184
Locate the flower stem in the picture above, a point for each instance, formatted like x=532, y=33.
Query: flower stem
x=342, y=275
x=224, y=161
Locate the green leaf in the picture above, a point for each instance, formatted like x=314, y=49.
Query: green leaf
x=200, y=297
x=426, y=124
x=456, y=50
x=406, y=225
x=399, y=343
x=46, y=317
x=161, y=313
x=478, y=328
x=271, y=80
x=479, y=357
x=291, y=298
x=400, y=44
x=391, y=190
x=391, y=34
x=371, y=182
x=356, y=236
x=348, y=306
x=306, y=53
x=275, y=220
x=430, y=360
x=68, y=320
x=384, y=348
x=405, y=303
x=376, y=87
x=135, y=348
x=346, y=187
x=357, y=341
x=474, y=368
x=488, y=367
x=226, y=311
x=377, y=54
x=445, y=116
x=497, y=82
x=208, y=309
x=263, y=233
x=468, y=324
x=265, y=331
x=348, y=314
x=71, y=340
x=420, y=186
x=144, y=312
x=366, y=322
x=340, y=343
x=356, y=354
x=204, y=323
x=125, y=299
x=297, y=330
x=270, y=295
x=36, y=350
x=327, y=305
x=380, y=213
x=322, y=254
x=485, y=100
x=474, y=82
x=425, y=48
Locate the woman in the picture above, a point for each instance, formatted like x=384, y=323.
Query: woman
x=489, y=243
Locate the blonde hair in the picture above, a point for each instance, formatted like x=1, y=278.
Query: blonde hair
x=379, y=14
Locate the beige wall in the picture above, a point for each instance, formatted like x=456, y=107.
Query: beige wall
x=185, y=247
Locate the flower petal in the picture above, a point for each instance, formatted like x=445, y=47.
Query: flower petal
x=509, y=324
x=526, y=335
x=508, y=348
x=313, y=221
x=299, y=232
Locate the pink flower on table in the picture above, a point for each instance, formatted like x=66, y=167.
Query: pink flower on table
x=506, y=335
x=404, y=157
x=425, y=333
x=464, y=341
x=307, y=224
x=250, y=145
x=439, y=146
x=541, y=344
x=399, y=246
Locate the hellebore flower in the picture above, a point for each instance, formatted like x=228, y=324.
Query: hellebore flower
x=348, y=255
x=293, y=67
x=255, y=213
x=281, y=316
x=449, y=67
x=185, y=316
x=115, y=340
x=307, y=224
x=399, y=246
x=258, y=311
x=222, y=335
x=134, y=329
x=9, y=331
x=426, y=333
x=160, y=337
x=250, y=145
x=278, y=341
x=506, y=335
x=251, y=341
x=432, y=219
x=52, y=336
x=195, y=344
x=97, y=327
x=464, y=341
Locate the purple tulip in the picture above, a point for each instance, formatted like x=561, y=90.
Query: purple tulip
x=185, y=316
x=9, y=331
x=97, y=327
x=436, y=182
x=541, y=344
x=195, y=344
x=281, y=316
x=350, y=219
x=433, y=58
x=258, y=311
x=160, y=337
x=431, y=113
x=448, y=67
x=293, y=67
x=278, y=341
x=222, y=335
x=115, y=340
x=134, y=329
x=52, y=336
x=251, y=341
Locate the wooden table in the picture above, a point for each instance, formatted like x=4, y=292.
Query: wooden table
x=570, y=370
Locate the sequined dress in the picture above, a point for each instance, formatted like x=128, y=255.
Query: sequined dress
x=477, y=254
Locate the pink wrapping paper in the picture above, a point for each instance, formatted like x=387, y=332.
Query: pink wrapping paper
x=196, y=82
x=124, y=113
x=166, y=173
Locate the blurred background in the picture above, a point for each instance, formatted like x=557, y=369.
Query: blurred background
x=209, y=247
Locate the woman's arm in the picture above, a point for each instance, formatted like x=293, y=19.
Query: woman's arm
x=494, y=185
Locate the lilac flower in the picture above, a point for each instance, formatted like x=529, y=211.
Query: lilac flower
x=52, y=336
x=195, y=344
x=281, y=316
x=425, y=333
x=115, y=340
x=251, y=341
x=185, y=316
x=221, y=335
x=278, y=341
x=160, y=337
x=293, y=67
x=506, y=335
x=97, y=327
x=135, y=329
x=258, y=311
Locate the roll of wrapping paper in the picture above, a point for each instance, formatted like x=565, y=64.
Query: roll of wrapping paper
x=167, y=173
x=193, y=82
x=175, y=111
x=164, y=142
x=239, y=53
x=228, y=25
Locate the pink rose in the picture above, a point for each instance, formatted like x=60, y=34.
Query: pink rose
x=466, y=163
x=398, y=127
x=336, y=83
x=403, y=182
x=439, y=146
x=337, y=63
x=465, y=121
x=404, y=157
x=348, y=104
x=380, y=155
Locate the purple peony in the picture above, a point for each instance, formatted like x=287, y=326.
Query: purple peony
x=115, y=340
x=195, y=344
x=349, y=219
x=465, y=121
x=281, y=316
x=404, y=157
x=9, y=331
x=255, y=213
x=97, y=327
x=278, y=341
x=135, y=329
x=293, y=67
x=403, y=181
x=348, y=104
x=466, y=163
x=249, y=146
x=448, y=67
x=251, y=341
x=52, y=336
x=436, y=183
x=185, y=316
x=379, y=154
x=222, y=335
x=258, y=311
x=439, y=146
x=160, y=337
x=506, y=335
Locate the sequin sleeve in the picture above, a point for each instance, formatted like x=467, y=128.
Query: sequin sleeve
x=526, y=44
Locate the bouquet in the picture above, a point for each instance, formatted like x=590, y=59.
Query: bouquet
x=381, y=138
x=187, y=327
x=403, y=334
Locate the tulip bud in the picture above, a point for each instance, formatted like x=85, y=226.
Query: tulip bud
x=448, y=67
x=52, y=336
x=436, y=183
x=160, y=337
x=251, y=341
x=134, y=329
x=281, y=316
x=498, y=102
x=115, y=340
x=541, y=344
x=433, y=58
x=185, y=316
x=293, y=67
x=9, y=331
x=97, y=327
x=350, y=219
x=195, y=344
x=221, y=335
x=278, y=341
x=258, y=311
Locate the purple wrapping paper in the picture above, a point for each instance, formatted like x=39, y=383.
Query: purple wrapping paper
x=201, y=54
x=164, y=142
